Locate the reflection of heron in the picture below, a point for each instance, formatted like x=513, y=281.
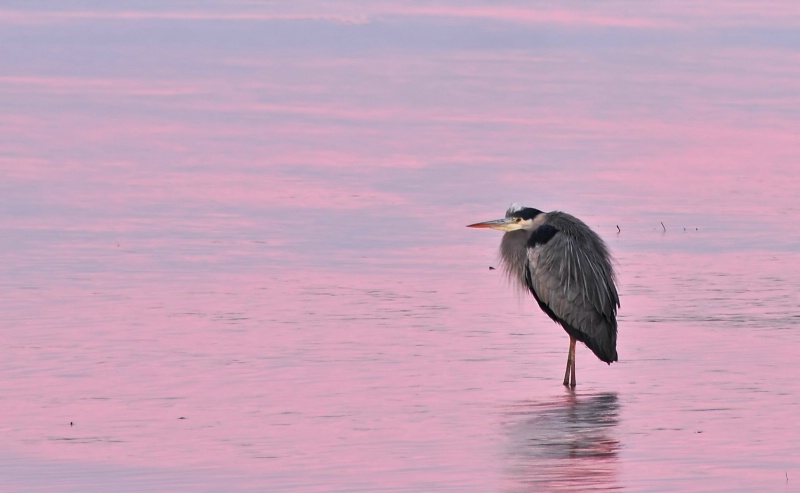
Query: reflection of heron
x=567, y=268
x=566, y=445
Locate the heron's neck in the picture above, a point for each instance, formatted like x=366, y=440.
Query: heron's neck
x=514, y=254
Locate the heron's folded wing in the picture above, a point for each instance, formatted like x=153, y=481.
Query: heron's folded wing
x=575, y=283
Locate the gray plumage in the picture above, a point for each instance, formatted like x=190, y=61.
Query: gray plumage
x=567, y=268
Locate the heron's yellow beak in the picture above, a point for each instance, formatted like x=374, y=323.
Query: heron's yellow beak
x=504, y=224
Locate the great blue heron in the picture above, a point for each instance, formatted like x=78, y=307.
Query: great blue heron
x=567, y=268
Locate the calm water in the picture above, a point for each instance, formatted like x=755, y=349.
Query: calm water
x=233, y=255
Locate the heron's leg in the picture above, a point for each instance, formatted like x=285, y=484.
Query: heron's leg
x=570, y=364
x=572, y=382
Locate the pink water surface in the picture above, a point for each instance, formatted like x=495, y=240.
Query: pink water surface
x=233, y=254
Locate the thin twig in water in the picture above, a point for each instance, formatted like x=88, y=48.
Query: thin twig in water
x=662, y=225
x=618, y=230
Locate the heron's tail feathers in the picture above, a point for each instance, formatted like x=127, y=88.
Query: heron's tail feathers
x=602, y=342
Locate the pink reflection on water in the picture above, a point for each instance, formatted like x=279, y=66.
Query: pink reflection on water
x=301, y=395
x=535, y=16
x=565, y=444
x=401, y=379
x=82, y=85
x=61, y=16
x=652, y=17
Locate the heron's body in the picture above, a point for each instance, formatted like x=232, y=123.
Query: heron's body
x=568, y=270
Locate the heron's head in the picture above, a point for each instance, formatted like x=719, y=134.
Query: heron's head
x=517, y=217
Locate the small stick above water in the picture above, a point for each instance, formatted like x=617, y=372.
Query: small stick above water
x=662, y=225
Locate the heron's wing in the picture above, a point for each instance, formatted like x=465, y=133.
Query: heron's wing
x=573, y=281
